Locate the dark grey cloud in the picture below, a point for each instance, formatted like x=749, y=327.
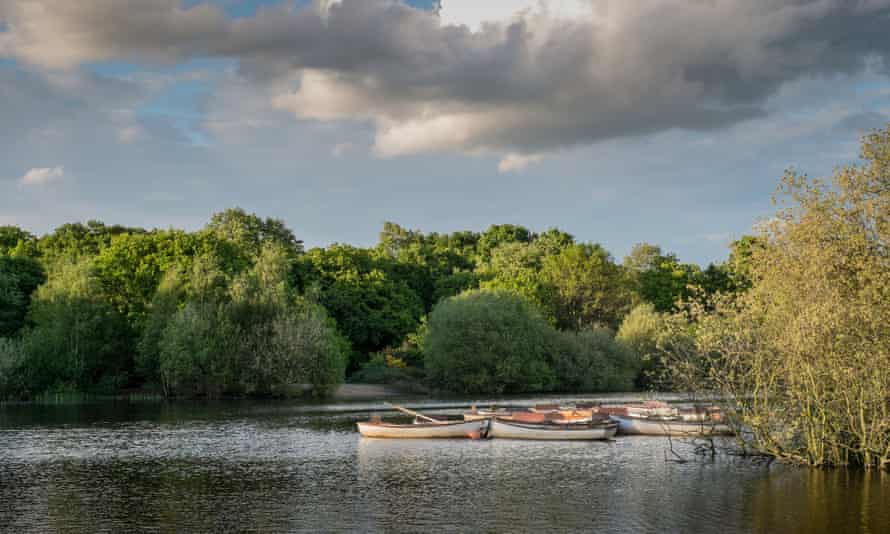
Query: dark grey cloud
x=530, y=85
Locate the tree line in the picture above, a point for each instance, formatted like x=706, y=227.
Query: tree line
x=240, y=308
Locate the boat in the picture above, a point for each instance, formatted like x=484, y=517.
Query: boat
x=546, y=408
x=499, y=428
x=423, y=430
x=645, y=409
x=537, y=414
x=475, y=414
x=576, y=416
x=669, y=426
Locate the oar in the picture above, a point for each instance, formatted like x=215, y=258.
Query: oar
x=411, y=412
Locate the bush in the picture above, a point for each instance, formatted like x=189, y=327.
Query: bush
x=306, y=348
x=488, y=342
x=247, y=335
x=592, y=360
x=640, y=332
x=385, y=368
x=196, y=351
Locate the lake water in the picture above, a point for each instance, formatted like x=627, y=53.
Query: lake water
x=287, y=467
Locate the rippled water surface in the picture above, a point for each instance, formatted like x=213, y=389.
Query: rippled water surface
x=278, y=467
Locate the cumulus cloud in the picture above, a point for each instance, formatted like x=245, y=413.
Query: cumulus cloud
x=42, y=176
x=537, y=77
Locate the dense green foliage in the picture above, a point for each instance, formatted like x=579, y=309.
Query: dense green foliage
x=19, y=277
x=362, y=290
x=593, y=360
x=640, y=332
x=496, y=341
x=206, y=313
x=247, y=334
x=488, y=341
x=79, y=341
x=239, y=308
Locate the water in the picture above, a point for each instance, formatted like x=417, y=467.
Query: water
x=284, y=467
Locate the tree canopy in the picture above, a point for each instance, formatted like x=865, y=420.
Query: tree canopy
x=193, y=313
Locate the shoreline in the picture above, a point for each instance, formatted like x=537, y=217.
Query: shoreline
x=358, y=392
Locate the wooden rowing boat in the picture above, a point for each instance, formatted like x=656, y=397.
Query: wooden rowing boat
x=478, y=415
x=441, y=429
x=512, y=430
x=558, y=417
x=660, y=426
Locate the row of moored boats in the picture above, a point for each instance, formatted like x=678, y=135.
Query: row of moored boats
x=555, y=422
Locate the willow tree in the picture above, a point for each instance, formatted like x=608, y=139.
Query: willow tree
x=804, y=355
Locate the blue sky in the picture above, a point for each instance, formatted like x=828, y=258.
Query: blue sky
x=339, y=117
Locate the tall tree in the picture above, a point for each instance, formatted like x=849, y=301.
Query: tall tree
x=498, y=234
x=590, y=287
x=516, y=267
x=804, y=354
x=76, y=241
x=372, y=306
x=19, y=277
x=79, y=341
x=660, y=278
x=15, y=241
x=251, y=232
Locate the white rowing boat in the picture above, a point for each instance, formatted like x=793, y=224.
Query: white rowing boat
x=442, y=429
x=478, y=415
x=513, y=430
x=654, y=426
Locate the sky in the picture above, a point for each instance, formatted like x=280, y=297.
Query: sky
x=662, y=121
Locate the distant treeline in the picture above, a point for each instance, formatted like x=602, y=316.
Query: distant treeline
x=240, y=308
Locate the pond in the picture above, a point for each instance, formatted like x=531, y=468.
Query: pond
x=291, y=467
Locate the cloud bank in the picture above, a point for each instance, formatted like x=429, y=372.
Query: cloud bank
x=551, y=75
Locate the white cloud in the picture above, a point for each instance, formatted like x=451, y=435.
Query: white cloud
x=474, y=14
x=39, y=176
x=517, y=162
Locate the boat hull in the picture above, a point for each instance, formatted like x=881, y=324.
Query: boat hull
x=457, y=429
x=511, y=430
x=653, y=427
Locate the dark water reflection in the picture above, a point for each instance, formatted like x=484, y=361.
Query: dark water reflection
x=286, y=467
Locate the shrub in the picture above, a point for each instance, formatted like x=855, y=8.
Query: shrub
x=244, y=335
x=488, y=342
x=384, y=368
x=640, y=332
x=592, y=360
x=196, y=351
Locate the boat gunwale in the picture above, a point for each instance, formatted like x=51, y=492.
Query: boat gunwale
x=425, y=424
x=673, y=422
